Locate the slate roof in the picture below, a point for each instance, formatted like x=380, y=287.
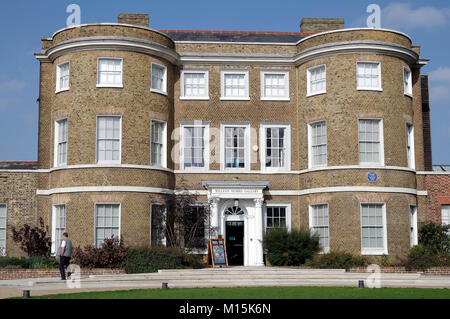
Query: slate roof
x=236, y=36
x=19, y=165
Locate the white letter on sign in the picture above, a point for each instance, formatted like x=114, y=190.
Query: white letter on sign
x=75, y=18
x=374, y=20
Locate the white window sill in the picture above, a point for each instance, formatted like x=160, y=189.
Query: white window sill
x=371, y=165
x=63, y=165
x=274, y=170
x=237, y=170
x=373, y=252
x=61, y=90
x=275, y=99
x=235, y=98
x=194, y=169
x=194, y=98
x=312, y=166
x=159, y=166
x=109, y=85
x=108, y=162
x=158, y=91
x=370, y=89
x=316, y=93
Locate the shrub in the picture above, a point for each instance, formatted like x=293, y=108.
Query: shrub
x=337, y=260
x=33, y=240
x=112, y=254
x=421, y=258
x=9, y=262
x=41, y=262
x=292, y=248
x=145, y=260
x=435, y=238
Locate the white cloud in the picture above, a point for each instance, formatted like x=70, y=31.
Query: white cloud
x=440, y=75
x=12, y=86
x=439, y=93
x=403, y=16
x=440, y=84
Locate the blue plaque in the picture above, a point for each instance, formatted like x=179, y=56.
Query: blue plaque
x=372, y=177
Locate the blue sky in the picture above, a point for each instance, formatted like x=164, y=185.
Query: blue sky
x=23, y=23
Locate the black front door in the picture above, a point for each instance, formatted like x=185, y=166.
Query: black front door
x=235, y=243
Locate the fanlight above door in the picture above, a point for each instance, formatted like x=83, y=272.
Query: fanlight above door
x=235, y=210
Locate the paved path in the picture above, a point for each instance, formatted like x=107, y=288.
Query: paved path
x=221, y=277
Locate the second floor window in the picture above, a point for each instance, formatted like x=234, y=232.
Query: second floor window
x=410, y=145
x=234, y=85
x=194, y=84
x=445, y=214
x=61, y=142
x=407, y=81
x=108, y=139
x=274, y=85
x=109, y=72
x=159, y=78
x=370, y=142
x=158, y=142
x=368, y=75
x=62, y=76
x=318, y=144
x=316, y=80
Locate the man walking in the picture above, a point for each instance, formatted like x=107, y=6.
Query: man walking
x=64, y=255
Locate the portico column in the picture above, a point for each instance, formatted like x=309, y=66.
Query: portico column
x=259, y=231
x=214, y=217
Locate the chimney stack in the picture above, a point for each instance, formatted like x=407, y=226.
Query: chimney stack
x=134, y=19
x=316, y=25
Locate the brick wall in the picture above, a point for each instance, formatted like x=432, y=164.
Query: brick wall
x=12, y=274
x=438, y=188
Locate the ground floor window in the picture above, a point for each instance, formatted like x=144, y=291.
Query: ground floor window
x=319, y=224
x=2, y=229
x=276, y=217
x=107, y=222
x=445, y=214
x=413, y=225
x=373, y=229
x=58, y=225
x=194, y=229
x=158, y=225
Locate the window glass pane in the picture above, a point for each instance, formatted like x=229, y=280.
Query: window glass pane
x=60, y=224
x=108, y=138
x=319, y=224
x=157, y=142
x=319, y=143
x=275, y=147
x=275, y=217
x=368, y=75
x=369, y=141
x=445, y=214
x=372, y=226
x=61, y=138
x=158, y=75
x=317, y=79
x=234, y=147
x=275, y=85
x=194, y=146
x=194, y=84
x=107, y=222
x=110, y=71
x=234, y=85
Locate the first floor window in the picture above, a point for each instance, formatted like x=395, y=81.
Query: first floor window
x=235, y=147
x=318, y=144
x=107, y=222
x=2, y=229
x=194, y=227
x=276, y=217
x=62, y=76
x=159, y=75
x=158, y=138
x=59, y=225
x=317, y=80
x=158, y=225
x=109, y=72
x=275, y=85
x=194, y=146
x=235, y=85
x=373, y=228
x=319, y=224
x=407, y=81
x=275, y=147
x=61, y=133
x=413, y=225
x=370, y=141
x=368, y=75
x=410, y=145
x=108, y=139
x=194, y=84
x=445, y=214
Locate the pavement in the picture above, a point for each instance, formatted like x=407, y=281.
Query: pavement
x=220, y=277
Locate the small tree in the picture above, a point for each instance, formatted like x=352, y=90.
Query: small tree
x=435, y=238
x=33, y=240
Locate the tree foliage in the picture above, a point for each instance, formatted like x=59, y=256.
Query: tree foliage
x=34, y=241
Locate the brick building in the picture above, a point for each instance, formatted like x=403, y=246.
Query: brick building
x=326, y=128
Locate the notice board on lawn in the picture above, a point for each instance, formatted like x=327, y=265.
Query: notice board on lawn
x=217, y=253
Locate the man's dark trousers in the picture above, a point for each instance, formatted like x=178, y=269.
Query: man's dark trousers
x=64, y=262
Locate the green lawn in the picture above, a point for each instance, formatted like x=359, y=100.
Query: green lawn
x=263, y=293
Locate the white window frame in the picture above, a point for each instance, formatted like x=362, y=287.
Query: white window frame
x=95, y=218
x=101, y=85
x=54, y=248
x=164, y=142
x=206, y=140
x=410, y=155
x=287, y=146
x=247, y=152
x=308, y=80
x=447, y=220
x=325, y=250
x=413, y=225
x=58, y=77
x=285, y=73
x=375, y=251
x=286, y=205
x=55, y=144
x=164, y=239
x=164, y=84
x=381, y=132
x=224, y=72
x=407, y=86
x=196, y=97
x=119, y=161
x=363, y=88
x=3, y=249
x=310, y=153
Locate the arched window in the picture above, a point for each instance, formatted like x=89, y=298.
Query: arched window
x=235, y=210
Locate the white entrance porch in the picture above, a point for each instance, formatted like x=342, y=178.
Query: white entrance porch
x=239, y=201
